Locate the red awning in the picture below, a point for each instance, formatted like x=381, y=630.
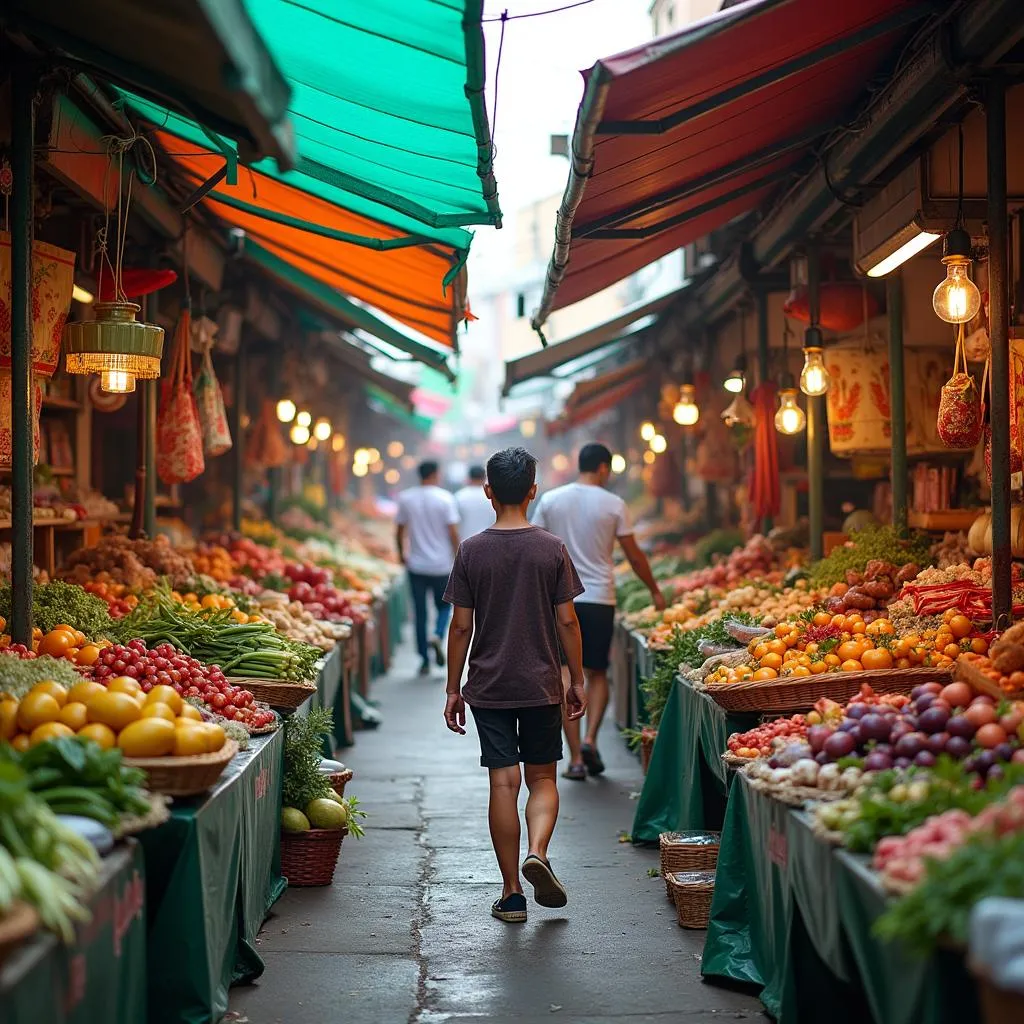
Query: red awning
x=682, y=135
x=593, y=397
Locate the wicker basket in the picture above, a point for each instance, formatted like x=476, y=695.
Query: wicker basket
x=801, y=693
x=687, y=851
x=998, y=1006
x=339, y=780
x=646, y=749
x=309, y=858
x=692, y=892
x=278, y=695
x=16, y=926
x=184, y=776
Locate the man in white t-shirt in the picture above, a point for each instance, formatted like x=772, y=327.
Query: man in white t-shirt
x=475, y=511
x=427, y=538
x=589, y=519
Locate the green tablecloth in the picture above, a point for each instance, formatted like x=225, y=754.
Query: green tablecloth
x=643, y=659
x=793, y=916
x=102, y=978
x=398, y=613
x=686, y=782
x=213, y=871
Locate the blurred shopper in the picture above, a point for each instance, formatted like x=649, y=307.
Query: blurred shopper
x=589, y=519
x=475, y=512
x=427, y=539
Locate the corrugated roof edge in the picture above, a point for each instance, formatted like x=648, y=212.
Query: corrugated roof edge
x=476, y=82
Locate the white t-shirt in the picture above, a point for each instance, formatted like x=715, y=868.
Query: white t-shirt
x=588, y=519
x=426, y=513
x=475, y=511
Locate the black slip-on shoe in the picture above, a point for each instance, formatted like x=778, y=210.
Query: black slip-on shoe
x=512, y=909
x=438, y=648
x=592, y=759
x=576, y=772
x=425, y=668
x=548, y=891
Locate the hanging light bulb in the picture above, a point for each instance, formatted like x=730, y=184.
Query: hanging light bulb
x=647, y=431
x=956, y=299
x=814, y=377
x=649, y=457
x=739, y=412
x=338, y=443
x=303, y=418
x=789, y=418
x=618, y=464
x=115, y=345
x=312, y=444
x=299, y=434
x=322, y=429
x=117, y=382
x=360, y=469
x=395, y=449
x=286, y=410
x=361, y=456
x=528, y=428
x=658, y=444
x=686, y=412
x=736, y=382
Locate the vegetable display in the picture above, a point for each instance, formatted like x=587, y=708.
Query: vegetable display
x=872, y=543
x=58, y=603
x=20, y=670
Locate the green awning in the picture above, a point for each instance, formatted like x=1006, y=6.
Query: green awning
x=205, y=57
x=330, y=301
x=380, y=401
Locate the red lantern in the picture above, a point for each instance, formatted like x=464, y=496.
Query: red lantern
x=843, y=305
x=135, y=282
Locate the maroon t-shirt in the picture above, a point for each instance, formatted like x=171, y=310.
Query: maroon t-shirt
x=512, y=579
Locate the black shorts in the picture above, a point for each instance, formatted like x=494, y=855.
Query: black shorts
x=510, y=735
x=597, y=627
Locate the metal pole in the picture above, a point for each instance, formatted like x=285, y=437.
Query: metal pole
x=763, y=368
x=149, y=391
x=995, y=119
x=815, y=415
x=139, y=510
x=237, y=412
x=897, y=403
x=23, y=90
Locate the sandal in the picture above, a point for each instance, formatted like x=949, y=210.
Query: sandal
x=592, y=759
x=576, y=772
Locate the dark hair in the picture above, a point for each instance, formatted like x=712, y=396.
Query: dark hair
x=427, y=470
x=593, y=457
x=477, y=473
x=511, y=473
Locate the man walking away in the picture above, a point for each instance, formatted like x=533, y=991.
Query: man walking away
x=427, y=538
x=513, y=588
x=475, y=512
x=590, y=519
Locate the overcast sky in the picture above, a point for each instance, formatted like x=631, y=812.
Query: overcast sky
x=539, y=89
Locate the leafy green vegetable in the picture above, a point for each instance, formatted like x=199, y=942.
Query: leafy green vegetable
x=881, y=542
x=303, y=736
x=59, y=603
x=19, y=675
x=717, y=542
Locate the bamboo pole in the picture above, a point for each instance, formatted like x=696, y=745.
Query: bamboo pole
x=897, y=403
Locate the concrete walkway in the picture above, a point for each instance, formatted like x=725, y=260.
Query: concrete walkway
x=404, y=934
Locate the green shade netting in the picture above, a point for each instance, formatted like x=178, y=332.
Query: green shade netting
x=388, y=101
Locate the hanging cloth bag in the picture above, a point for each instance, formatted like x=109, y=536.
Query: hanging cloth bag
x=961, y=416
x=213, y=419
x=179, y=437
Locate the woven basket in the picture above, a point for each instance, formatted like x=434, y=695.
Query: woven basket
x=309, y=858
x=998, y=1006
x=801, y=693
x=687, y=851
x=339, y=780
x=17, y=925
x=277, y=695
x=184, y=776
x=646, y=749
x=968, y=673
x=731, y=761
x=692, y=892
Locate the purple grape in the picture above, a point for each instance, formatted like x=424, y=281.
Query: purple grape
x=877, y=762
x=957, y=747
x=1003, y=751
x=933, y=720
x=960, y=725
x=902, y=762
x=925, y=759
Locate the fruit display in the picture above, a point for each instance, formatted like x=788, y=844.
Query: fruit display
x=293, y=620
x=1002, y=666
x=869, y=591
x=215, y=561
x=59, y=603
x=870, y=544
x=135, y=563
x=120, y=600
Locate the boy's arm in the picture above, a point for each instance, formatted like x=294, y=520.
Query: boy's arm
x=459, y=635
x=572, y=645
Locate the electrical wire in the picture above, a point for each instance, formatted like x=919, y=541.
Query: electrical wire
x=505, y=16
x=497, y=70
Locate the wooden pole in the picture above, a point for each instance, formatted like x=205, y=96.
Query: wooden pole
x=815, y=415
x=897, y=403
x=999, y=332
x=238, y=439
x=763, y=364
x=23, y=92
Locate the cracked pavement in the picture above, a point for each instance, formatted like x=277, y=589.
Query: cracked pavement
x=405, y=933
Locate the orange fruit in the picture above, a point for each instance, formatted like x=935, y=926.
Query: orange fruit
x=49, y=731
x=116, y=710
x=87, y=654
x=817, y=667
x=98, y=733
x=8, y=719
x=850, y=665
x=165, y=695
x=154, y=709
x=124, y=684
x=193, y=714
x=56, y=643
x=74, y=715
x=37, y=708
x=21, y=742
x=55, y=690
x=960, y=626
x=771, y=661
x=877, y=658
x=833, y=660
x=801, y=670
x=215, y=736
x=765, y=673
x=190, y=738
x=82, y=692
x=148, y=737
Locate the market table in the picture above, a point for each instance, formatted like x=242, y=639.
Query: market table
x=333, y=691
x=102, y=977
x=642, y=660
x=793, y=915
x=212, y=873
x=686, y=784
x=623, y=677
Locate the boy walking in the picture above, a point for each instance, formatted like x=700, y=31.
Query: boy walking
x=512, y=588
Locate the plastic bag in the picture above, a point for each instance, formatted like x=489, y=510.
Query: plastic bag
x=210, y=404
x=179, y=437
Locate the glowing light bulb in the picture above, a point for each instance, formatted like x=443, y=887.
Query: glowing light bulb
x=736, y=382
x=395, y=449
x=528, y=428
x=299, y=434
x=360, y=469
x=956, y=299
x=286, y=410
x=789, y=418
x=361, y=457
x=117, y=382
x=392, y=476
x=618, y=464
x=649, y=457
x=686, y=412
x=560, y=463
x=312, y=444
x=658, y=444
x=814, y=377
x=338, y=443
x=322, y=429
x=647, y=431
x=303, y=418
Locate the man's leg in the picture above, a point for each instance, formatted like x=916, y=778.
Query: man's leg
x=597, y=703
x=503, y=819
x=541, y=807
x=418, y=586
